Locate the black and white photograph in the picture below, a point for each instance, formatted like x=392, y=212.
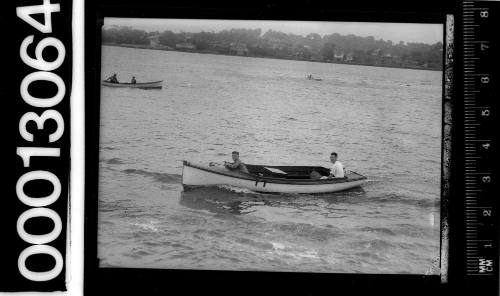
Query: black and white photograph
x=270, y=146
x=250, y=148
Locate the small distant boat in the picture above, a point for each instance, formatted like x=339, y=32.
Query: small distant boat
x=310, y=77
x=271, y=179
x=141, y=85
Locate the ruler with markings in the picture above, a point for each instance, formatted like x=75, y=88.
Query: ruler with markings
x=480, y=36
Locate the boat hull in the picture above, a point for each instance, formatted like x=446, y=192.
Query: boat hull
x=198, y=176
x=143, y=85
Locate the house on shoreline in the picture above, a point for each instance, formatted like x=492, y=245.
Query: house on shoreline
x=185, y=46
x=154, y=43
x=218, y=46
x=238, y=49
x=341, y=56
x=338, y=56
x=349, y=57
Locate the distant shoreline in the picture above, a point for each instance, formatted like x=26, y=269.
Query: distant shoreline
x=138, y=46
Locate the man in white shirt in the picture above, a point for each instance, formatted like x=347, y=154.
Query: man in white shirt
x=337, y=169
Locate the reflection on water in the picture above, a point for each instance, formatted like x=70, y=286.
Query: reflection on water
x=218, y=201
x=223, y=200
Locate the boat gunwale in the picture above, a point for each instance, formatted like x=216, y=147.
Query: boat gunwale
x=252, y=177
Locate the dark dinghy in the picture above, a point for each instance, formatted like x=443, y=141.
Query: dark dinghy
x=141, y=85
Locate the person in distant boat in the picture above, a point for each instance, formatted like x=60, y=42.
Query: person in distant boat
x=337, y=169
x=237, y=164
x=112, y=79
x=133, y=81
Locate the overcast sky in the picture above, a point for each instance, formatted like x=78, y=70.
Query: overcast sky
x=425, y=33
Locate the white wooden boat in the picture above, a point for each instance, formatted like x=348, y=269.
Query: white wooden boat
x=141, y=85
x=272, y=179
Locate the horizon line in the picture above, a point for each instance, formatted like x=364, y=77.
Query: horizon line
x=402, y=32
x=322, y=36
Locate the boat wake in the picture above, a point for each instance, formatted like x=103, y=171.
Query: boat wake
x=236, y=189
x=160, y=177
x=373, y=180
x=408, y=200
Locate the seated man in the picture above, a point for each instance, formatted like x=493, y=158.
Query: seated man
x=237, y=165
x=133, y=81
x=112, y=79
x=337, y=169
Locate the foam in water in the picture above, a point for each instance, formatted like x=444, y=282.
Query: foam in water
x=278, y=246
x=149, y=226
x=294, y=252
x=235, y=189
x=434, y=269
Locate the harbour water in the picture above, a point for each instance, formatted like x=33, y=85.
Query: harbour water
x=384, y=123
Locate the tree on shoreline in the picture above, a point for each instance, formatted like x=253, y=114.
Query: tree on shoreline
x=327, y=51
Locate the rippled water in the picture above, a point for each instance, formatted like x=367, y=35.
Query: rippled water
x=385, y=123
